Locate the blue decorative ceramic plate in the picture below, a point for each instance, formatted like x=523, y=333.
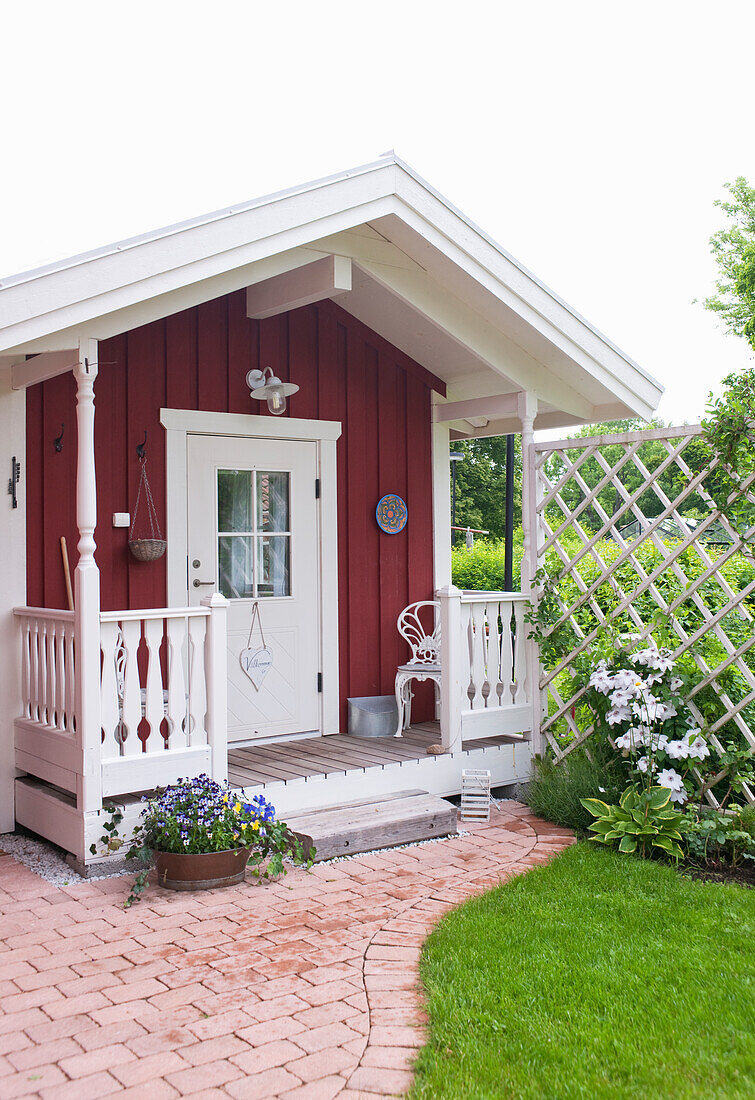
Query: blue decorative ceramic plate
x=391, y=514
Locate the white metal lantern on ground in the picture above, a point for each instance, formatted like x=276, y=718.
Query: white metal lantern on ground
x=475, y=795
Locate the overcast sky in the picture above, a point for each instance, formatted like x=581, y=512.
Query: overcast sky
x=589, y=138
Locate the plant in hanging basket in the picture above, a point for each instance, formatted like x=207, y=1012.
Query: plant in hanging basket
x=147, y=549
x=199, y=834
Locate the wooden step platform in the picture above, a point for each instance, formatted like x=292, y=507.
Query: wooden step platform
x=364, y=825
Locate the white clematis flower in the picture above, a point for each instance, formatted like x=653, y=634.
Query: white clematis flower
x=698, y=749
x=628, y=742
x=673, y=783
x=616, y=715
x=652, y=657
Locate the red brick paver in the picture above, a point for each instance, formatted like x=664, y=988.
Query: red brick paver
x=305, y=988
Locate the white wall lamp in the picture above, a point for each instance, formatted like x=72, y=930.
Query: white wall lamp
x=266, y=386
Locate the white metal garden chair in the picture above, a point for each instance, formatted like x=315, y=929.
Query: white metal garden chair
x=419, y=625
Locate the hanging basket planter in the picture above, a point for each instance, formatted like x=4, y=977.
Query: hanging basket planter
x=147, y=549
x=154, y=546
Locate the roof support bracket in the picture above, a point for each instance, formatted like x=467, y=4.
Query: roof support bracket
x=48, y=364
x=325, y=278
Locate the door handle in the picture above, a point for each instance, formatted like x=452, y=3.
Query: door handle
x=198, y=584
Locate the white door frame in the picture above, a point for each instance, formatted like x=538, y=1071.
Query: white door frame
x=179, y=424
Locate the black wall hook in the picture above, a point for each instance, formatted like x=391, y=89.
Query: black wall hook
x=142, y=447
x=58, y=441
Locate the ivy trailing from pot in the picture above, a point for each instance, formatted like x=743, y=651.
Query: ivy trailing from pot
x=200, y=834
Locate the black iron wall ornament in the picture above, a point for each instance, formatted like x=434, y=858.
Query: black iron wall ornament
x=15, y=477
x=58, y=441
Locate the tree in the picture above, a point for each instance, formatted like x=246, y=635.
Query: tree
x=734, y=251
x=481, y=484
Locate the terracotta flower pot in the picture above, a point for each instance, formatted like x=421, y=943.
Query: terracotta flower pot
x=201, y=870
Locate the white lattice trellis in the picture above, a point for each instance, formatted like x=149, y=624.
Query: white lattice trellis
x=622, y=539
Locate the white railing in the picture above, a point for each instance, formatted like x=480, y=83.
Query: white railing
x=47, y=668
x=162, y=701
x=485, y=689
x=162, y=698
x=46, y=733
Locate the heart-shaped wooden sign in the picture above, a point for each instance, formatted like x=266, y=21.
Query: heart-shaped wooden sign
x=256, y=663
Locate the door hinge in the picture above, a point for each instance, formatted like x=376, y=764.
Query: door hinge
x=317, y=488
x=319, y=682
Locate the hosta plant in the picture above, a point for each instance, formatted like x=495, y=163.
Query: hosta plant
x=642, y=821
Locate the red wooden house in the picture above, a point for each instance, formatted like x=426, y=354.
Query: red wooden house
x=403, y=326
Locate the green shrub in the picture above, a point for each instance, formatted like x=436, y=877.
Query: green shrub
x=556, y=789
x=482, y=568
x=715, y=836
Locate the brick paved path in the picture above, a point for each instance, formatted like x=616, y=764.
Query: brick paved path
x=305, y=988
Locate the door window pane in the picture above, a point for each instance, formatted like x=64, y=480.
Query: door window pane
x=236, y=566
x=272, y=501
x=273, y=565
x=253, y=532
x=235, y=500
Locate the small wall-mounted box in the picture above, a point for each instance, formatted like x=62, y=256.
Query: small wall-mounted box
x=121, y=519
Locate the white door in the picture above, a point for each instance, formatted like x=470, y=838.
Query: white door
x=253, y=536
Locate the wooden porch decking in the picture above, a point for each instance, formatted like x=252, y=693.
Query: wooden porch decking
x=284, y=761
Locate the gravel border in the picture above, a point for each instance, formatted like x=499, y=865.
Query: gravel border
x=49, y=862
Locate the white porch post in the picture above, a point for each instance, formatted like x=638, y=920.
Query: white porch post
x=527, y=414
x=87, y=589
x=441, y=444
x=216, y=679
x=450, y=653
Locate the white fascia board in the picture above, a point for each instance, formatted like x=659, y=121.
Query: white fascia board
x=458, y=321
x=487, y=264
x=162, y=264
x=68, y=296
x=422, y=197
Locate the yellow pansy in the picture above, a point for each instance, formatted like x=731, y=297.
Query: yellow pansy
x=225, y=797
x=256, y=825
x=237, y=808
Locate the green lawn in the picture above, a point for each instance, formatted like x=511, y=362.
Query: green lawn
x=598, y=976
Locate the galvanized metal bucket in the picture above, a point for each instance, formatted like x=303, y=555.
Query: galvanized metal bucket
x=373, y=716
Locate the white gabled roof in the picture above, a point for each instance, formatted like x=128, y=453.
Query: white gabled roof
x=426, y=277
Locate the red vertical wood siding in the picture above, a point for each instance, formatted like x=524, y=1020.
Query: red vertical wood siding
x=198, y=359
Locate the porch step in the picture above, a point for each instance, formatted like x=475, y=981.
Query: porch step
x=366, y=824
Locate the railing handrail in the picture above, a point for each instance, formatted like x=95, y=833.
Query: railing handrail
x=44, y=613
x=475, y=596
x=154, y=613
